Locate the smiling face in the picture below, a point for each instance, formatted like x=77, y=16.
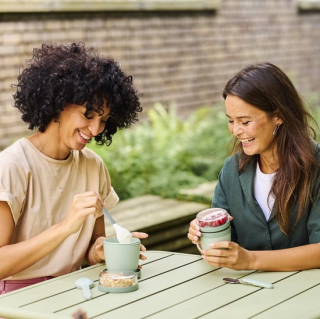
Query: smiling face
x=74, y=129
x=252, y=127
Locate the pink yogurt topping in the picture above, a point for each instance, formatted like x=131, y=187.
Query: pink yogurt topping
x=214, y=219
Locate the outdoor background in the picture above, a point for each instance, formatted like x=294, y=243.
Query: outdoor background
x=175, y=56
x=180, y=54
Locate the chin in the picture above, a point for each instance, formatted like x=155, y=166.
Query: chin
x=79, y=147
x=249, y=153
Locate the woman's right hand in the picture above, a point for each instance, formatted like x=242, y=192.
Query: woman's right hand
x=194, y=232
x=83, y=205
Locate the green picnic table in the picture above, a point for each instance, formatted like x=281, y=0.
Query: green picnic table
x=172, y=285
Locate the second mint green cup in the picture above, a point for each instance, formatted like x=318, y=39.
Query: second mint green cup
x=121, y=256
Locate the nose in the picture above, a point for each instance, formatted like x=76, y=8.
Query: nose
x=96, y=127
x=237, y=129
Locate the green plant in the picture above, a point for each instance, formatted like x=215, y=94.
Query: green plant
x=312, y=102
x=165, y=153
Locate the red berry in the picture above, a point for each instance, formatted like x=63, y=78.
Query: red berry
x=213, y=219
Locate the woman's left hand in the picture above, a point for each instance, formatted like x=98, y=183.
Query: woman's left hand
x=232, y=256
x=142, y=248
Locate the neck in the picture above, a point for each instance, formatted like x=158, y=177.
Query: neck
x=43, y=142
x=268, y=166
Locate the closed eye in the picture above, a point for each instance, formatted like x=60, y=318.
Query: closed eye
x=104, y=121
x=88, y=116
x=243, y=123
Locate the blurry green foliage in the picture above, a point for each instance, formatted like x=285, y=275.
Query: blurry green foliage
x=166, y=153
x=312, y=102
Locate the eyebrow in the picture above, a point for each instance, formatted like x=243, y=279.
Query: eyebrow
x=240, y=117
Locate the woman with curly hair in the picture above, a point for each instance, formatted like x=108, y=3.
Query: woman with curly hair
x=270, y=185
x=53, y=188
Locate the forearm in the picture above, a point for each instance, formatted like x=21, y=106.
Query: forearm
x=291, y=259
x=17, y=257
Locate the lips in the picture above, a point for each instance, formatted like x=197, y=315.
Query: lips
x=85, y=137
x=247, y=140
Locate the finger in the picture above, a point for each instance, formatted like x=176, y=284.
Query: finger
x=195, y=225
x=139, y=235
x=91, y=211
x=142, y=248
x=93, y=201
x=216, y=253
x=194, y=239
x=99, y=247
x=142, y=257
x=217, y=261
x=194, y=231
x=89, y=195
x=222, y=244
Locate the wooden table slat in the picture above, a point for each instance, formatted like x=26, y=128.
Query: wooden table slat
x=267, y=298
x=51, y=300
x=99, y=307
x=304, y=305
x=172, y=285
x=55, y=286
x=9, y=312
x=175, y=295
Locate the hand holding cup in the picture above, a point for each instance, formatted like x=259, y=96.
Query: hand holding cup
x=214, y=226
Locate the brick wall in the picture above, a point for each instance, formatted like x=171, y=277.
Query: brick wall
x=183, y=58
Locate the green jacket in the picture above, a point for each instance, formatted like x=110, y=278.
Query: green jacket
x=234, y=192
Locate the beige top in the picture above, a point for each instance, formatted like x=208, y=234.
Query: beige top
x=32, y=192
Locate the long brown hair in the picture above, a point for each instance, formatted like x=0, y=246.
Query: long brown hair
x=267, y=87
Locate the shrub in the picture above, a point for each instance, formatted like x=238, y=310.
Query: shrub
x=165, y=153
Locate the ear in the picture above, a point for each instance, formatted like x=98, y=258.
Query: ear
x=279, y=121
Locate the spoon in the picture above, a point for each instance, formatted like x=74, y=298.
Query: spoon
x=249, y=282
x=123, y=234
x=85, y=284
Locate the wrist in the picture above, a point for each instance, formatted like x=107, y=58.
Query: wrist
x=253, y=260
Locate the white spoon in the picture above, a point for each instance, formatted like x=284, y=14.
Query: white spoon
x=123, y=234
x=85, y=284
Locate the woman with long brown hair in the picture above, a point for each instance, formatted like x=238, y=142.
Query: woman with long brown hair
x=270, y=184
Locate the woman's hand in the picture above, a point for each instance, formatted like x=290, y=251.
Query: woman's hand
x=96, y=251
x=194, y=232
x=83, y=205
x=232, y=256
x=142, y=248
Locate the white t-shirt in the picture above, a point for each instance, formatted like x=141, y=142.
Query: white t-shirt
x=31, y=190
x=262, y=185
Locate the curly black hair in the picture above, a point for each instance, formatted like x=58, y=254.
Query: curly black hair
x=58, y=75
